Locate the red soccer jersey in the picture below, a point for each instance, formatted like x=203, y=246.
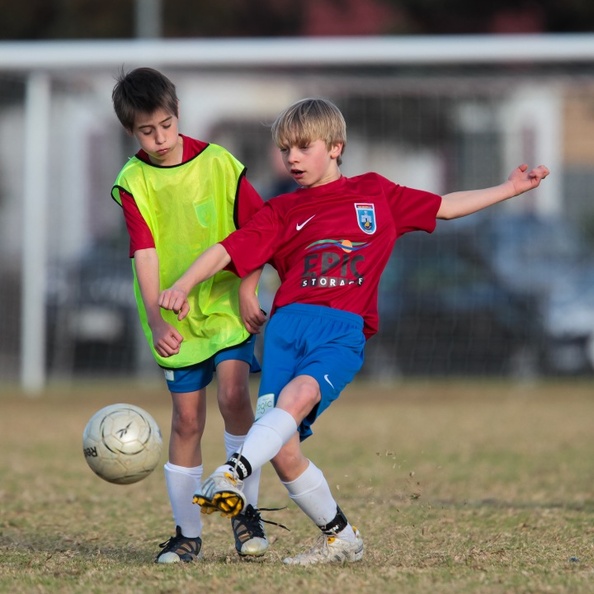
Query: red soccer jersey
x=331, y=243
x=247, y=203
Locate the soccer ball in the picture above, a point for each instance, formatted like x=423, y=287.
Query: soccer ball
x=122, y=443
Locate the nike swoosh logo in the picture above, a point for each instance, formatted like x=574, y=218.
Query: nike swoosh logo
x=328, y=380
x=300, y=226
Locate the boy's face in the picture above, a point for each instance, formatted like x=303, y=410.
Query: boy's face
x=313, y=164
x=157, y=134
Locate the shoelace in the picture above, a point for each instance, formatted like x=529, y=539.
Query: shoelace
x=176, y=540
x=253, y=513
x=169, y=541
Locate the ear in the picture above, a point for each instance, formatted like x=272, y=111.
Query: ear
x=336, y=150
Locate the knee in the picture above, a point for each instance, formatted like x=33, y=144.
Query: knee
x=233, y=399
x=188, y=425
x=309, y=393
x=300, y=397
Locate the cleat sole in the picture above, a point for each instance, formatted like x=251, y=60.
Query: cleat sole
x=229, y=504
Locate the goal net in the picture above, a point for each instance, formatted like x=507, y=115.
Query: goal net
x=488, y=295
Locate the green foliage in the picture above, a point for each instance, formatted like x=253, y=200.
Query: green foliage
x=457, y=487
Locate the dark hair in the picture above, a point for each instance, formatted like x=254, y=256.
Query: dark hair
x=143, y=90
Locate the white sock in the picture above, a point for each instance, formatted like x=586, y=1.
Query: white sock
x=266, y=437
x=251, y=485
x=182, y=483
x=311, y=492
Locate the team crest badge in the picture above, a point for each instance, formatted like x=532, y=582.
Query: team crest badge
x=366, y=217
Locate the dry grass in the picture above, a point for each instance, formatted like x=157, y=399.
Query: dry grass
x=457, y=487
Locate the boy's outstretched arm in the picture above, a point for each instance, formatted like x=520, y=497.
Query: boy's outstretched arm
x=520, y=180
x=175, y=298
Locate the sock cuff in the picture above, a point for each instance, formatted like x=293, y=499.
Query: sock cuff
x=240, y=464
x=195, y=471
x=280, y=421
x=229, y=437
x=338, y=524
x=233, y=443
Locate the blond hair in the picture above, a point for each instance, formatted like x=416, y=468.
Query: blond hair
x=308, y=120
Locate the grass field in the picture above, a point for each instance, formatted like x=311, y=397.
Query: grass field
x=456, y=486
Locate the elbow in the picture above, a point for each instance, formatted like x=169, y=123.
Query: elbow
x=448, y=211
x=445, y=214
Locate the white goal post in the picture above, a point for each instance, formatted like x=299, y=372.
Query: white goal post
x=42, y=65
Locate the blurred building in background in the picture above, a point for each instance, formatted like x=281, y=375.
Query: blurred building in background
x=175, y=19
x=438, y=112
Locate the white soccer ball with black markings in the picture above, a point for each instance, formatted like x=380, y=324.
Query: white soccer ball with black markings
x=122, y=443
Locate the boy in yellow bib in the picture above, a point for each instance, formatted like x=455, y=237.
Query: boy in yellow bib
x=179, y=196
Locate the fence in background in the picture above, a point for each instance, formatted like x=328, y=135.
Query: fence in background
x=508, y=293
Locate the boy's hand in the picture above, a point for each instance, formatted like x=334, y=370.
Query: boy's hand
x=524, y=180
x=175, y=300
x=252, y=314
x=166, y=339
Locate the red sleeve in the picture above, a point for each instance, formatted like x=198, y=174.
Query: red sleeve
x=139, y=232
x=413, y=210
x=253, y=245
x=248, y=202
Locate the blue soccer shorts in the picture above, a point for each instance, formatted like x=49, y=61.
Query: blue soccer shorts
x=196, y=377
x=324, y=343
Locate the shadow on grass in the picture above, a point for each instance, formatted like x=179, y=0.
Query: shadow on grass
x=45, y=548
